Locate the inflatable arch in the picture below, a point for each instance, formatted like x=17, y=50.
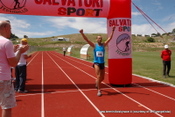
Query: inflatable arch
x=84, y=51
x=117, y=12
x=69, y=50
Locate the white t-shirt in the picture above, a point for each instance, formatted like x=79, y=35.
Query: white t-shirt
x=22, y=60
x=64, y=49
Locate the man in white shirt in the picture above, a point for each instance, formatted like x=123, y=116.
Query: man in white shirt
x=21, y=70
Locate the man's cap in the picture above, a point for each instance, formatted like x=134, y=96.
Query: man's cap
x=24, y=40
x=165, y=46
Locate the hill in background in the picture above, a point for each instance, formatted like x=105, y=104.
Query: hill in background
x=138, y=43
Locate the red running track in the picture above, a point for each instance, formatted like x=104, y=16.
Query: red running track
x=63, y=86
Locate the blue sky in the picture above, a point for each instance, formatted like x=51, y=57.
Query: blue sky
x=161, y=11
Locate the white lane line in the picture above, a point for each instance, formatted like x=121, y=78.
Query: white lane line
x=156, y=92
x=59, y=92
x=112, y=88
x=42, y=90
x=76, y=86
x=153, y=80
x=32, y=59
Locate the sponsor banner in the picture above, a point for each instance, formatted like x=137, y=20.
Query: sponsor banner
x=72, y=8
x=120, y=45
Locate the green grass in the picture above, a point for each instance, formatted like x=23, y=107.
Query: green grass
x=149, y=64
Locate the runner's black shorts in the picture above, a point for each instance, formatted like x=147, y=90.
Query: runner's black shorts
x=100, y=65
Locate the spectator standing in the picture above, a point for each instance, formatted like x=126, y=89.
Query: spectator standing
x=64, y=51
x=7, y=60
x=166, y=60
x=21, y=70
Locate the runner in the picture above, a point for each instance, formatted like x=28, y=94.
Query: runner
x=99, y=63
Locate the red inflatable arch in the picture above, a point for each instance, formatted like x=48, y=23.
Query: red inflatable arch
x=117, y=12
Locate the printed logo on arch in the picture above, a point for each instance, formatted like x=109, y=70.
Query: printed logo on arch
x=123, y=44
x=120, y=45
x=13, y=6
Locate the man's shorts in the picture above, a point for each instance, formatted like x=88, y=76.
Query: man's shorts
x=100, y=65
x=7, y=94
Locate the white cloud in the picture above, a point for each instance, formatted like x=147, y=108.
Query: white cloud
x=147, y=29
x=90, y=25
x=19, y=27
x=136, y=13
x=21, y=33
x=170, y=27
x=144, y=29
x=17, y=23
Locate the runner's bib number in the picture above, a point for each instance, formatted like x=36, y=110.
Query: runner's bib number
x=99, y=54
